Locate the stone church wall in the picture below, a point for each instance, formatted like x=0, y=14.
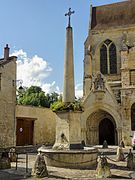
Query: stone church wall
x=97, y=37
x=128, y=90
x=121, y=84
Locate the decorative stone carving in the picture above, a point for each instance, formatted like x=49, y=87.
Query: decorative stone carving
x=99, y=83
x=130, y=160
x=12, y=155
x=103, y=170
x=63, y=138
x=5, y=161
x=124, y=46
x=122, y=144
x=63, y=145
x=39, y=170
x=120, y=154
x=132, y=175
x=125, y=43
x=105, y=145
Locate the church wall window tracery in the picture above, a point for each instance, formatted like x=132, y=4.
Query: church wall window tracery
x=132, y=77
x=108, y=58
x=103, y=59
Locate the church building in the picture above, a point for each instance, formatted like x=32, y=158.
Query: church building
x=108, y=88
x=109, y=75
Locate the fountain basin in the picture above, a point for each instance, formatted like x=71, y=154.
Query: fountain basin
x=77, y=159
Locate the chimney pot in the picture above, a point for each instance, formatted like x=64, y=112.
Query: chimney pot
x=6, y=52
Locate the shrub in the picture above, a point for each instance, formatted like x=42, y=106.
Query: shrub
x=60, y=106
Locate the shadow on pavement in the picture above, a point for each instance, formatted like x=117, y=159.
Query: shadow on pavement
x=119, y=177
x=10, y=176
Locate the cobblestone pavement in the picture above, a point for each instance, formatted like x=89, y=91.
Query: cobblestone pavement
x=118, y=170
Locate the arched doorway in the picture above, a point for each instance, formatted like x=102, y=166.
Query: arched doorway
x=106, y=131
x=101, y=126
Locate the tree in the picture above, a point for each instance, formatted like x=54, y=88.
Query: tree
x=36, y=97
x=53, y=97
x=32, y=96
x=34, y=89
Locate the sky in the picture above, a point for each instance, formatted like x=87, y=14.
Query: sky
x=35, y=31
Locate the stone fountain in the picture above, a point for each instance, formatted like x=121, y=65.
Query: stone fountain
x=68, y=150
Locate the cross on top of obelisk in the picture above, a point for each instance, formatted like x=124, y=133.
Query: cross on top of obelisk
x=69, y=14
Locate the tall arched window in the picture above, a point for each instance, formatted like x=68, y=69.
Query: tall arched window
x=133, y=117
x=103, y=59
x=108, y=58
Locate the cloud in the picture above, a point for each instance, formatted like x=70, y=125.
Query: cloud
x=34, y=71
x=51, y=87
x=79, y=90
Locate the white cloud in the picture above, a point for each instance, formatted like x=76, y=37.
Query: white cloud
x=51, y=87
x=79, y=90
x=34, y=71
x=19, y=53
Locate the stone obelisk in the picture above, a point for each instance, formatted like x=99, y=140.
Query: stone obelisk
x=69, y=88
x=68, y=127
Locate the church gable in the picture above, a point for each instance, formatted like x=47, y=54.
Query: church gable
x=112, y=15
x=100, y=94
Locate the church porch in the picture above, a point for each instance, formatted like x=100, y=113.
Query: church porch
x=101, y=126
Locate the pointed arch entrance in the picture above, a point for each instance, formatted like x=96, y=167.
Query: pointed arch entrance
x=101, y=126
x=106, y=131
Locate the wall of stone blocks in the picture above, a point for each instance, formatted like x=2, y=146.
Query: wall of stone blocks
x=7, y=104
x=44, y=123
x=125, y=63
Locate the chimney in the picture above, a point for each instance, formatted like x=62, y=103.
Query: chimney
x=6, y=52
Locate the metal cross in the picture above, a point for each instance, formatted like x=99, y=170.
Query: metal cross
x=69, y=14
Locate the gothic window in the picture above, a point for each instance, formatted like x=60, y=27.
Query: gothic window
x=133, y=117
x=113, y=59
x=108, y=58
x=103, y=59
x=132, y=77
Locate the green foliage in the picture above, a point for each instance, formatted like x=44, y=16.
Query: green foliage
x=57, y=106
x=51, y=98
x=36, y=97
x=60, y=106
x=34, y=89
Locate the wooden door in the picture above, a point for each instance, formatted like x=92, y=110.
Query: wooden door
x=24, y=132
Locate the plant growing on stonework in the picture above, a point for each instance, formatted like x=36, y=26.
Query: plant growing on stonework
x=57, y=106
x=60, y=106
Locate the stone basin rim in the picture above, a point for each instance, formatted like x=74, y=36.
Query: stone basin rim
x=48, y=151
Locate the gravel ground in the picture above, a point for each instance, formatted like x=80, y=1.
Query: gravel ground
x=118, y=170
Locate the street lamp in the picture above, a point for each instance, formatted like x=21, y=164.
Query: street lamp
x=20, y=89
